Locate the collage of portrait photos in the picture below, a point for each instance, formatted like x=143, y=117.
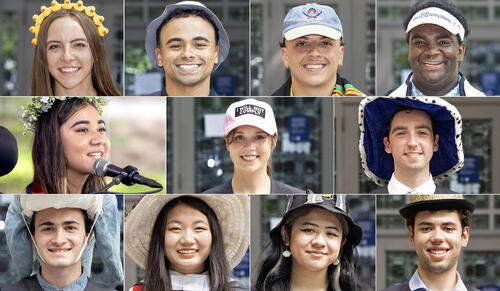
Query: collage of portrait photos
x=250, y=145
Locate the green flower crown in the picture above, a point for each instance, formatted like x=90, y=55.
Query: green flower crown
x=39, y=105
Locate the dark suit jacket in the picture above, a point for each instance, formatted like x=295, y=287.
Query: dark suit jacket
x=439, y=190
x=31, y=284
x=405, y=287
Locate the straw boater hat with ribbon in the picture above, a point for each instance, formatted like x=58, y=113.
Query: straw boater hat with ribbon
x=335, y=203
x=103, y=214
x=434, y=202
x=374, y=115
x=232, y=211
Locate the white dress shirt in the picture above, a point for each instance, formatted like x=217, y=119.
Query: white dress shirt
x=396, y=187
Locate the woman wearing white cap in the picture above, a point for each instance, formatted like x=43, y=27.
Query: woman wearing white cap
x=313, y=247
x=188, y=243
x=251, y=135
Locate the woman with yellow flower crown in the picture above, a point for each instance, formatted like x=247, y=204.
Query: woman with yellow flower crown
x=69, y=58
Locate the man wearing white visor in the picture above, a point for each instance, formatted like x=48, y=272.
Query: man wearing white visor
x=435, y=32
x=313, y=49
x=51, y=239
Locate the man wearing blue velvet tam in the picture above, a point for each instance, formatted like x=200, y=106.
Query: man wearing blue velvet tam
x=51, y=240
x=407, y=143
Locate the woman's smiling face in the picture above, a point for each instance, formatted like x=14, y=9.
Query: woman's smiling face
x=69, y=57
x=84, y=139
x=250, y=148
x=315, y=240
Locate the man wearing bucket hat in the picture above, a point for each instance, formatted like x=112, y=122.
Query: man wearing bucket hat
x=312, y=48
x=187, y=57
x=314, y=243
x=251, y=135
x=146, y=236
x=408, y=142
x=439, y=227
x=435, y=33
x=51, y=240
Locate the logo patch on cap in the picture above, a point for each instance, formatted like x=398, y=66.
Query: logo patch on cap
x=250, y=109
x=312, y=12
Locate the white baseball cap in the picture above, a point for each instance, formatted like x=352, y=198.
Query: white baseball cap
x=250, y=112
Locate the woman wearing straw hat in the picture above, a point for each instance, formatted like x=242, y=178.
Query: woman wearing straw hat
x=53, y=237
x=69, y=136
x=313, y=247
x=188, y=243
x=251, y=135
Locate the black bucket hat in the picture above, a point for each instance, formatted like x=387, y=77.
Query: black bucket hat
x=435, y=202
x=335, y=203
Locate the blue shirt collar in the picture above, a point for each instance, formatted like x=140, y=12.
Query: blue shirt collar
x=77, y=285
x=416, y=284
x=455, y=91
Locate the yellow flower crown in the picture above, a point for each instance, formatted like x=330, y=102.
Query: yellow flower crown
x=78, y=6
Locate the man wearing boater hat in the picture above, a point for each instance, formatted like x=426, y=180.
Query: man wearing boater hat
x=312, y=48
x=435, y=33
x=439, y=227
x=187, y=42
x=408, y=142
x=51, y=240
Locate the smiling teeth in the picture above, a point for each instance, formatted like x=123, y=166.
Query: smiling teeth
x=314, y=66
x=188, y=67
x=186, y=251
x=249, y=158
x=69, y=70
x=438, y=252
x=95, y=155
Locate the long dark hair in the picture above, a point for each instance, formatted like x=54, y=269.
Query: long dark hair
x=274, y=274
x=49, y=162
x=42, y=82
x=157, y=277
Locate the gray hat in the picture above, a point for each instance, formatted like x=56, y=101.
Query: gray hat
x=151, y=41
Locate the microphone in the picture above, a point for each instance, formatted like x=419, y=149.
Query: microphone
x=8, y=151
x=130, y=175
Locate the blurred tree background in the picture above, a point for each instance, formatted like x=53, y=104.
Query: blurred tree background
x=136, y=128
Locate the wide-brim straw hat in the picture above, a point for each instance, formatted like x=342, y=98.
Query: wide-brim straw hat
x=374, y=115
x=435, y=202
x=232, y=211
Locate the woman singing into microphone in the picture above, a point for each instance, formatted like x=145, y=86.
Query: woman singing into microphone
x=69, y=136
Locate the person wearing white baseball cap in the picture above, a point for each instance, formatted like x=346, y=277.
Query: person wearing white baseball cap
x=435, y=33
x=187, y=57
x=312, y=48
x=251, y=135
x=188, y=243
x=51, y=241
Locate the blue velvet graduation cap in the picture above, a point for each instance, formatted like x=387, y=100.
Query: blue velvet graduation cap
x=374, y=115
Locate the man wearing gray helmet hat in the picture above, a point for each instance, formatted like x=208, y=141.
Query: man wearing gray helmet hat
x=187, y=57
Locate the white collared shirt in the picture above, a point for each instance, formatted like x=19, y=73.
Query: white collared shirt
x=416, y=283
x=396, y=187
x=190, y=282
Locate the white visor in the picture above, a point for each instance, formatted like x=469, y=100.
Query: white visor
x=312, y=29
x=437, y=16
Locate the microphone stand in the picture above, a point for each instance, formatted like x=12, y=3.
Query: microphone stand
x=116, y=180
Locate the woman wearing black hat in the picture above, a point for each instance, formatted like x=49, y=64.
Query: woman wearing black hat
x=312, y=248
